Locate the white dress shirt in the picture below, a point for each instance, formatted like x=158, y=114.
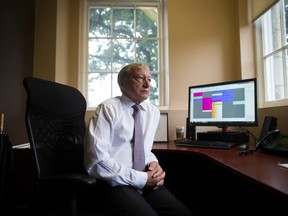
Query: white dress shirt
x=108, y=146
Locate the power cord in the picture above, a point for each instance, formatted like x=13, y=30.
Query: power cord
x=248, y=151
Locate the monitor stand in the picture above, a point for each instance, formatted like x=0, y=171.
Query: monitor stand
x=224, y=129
x=225, y=135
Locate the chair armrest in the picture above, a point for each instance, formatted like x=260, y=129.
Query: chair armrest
x=72, y=178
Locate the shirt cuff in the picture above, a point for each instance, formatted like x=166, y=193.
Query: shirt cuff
x=141, y=180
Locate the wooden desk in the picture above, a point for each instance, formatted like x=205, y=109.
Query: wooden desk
x=209, y=181
x=255, y=178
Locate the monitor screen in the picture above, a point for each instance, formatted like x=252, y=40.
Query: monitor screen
x=224, y=104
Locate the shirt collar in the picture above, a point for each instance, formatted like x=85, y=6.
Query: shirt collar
x=127, y=103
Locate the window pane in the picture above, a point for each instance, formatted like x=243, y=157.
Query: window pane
x=272, y=35
x=123, y=53
x=147, y=52
x=99, y=22
x=274, y=79
x=123, y=20
x=99, y=55
x=147, y=25
x=154, y=89
x=116, y=90
x=286, y=72
x=286, y=19
x=99, y=88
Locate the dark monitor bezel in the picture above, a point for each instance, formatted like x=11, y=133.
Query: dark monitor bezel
x=223, y=124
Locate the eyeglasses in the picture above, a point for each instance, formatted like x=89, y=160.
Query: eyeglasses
x=141, y=78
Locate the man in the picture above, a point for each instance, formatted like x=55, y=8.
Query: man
x=109, y=144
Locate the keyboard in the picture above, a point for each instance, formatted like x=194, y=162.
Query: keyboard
x=277, y=148
x=205, y=144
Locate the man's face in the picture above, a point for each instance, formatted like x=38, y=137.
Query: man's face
x=137, y=86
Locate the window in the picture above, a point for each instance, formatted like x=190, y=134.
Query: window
x=272, y=55
x=117, y=34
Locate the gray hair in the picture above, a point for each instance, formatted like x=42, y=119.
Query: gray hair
x=127, y=70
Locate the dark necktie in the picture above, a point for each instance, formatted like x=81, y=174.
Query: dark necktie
x=139, y=156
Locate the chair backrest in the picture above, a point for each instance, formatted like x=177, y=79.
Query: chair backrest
x=55, y=122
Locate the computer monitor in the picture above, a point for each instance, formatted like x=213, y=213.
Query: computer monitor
x=224, y=104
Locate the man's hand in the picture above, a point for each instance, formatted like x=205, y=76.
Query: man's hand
x=156, y=176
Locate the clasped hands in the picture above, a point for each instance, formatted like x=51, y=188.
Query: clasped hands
x=156, y=176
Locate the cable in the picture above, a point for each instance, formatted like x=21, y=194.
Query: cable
x=248, y=151
x=248, y=133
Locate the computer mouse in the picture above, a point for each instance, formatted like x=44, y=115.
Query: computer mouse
x=242, y=146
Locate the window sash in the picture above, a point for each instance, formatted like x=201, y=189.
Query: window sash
x=271, y=49
x=159, y=74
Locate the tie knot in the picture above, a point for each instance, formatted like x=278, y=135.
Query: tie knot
x=136, y=107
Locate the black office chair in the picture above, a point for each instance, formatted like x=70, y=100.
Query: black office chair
x=56, y=126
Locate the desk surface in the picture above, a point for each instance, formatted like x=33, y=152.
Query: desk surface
x=262, y=168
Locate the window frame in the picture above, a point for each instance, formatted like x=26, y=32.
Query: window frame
x=260, y=63
x=163, y=84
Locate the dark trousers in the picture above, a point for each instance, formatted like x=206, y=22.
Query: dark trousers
x=125, y=200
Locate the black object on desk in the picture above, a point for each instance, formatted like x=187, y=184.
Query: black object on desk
x=236, y=137
x=205, y=144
